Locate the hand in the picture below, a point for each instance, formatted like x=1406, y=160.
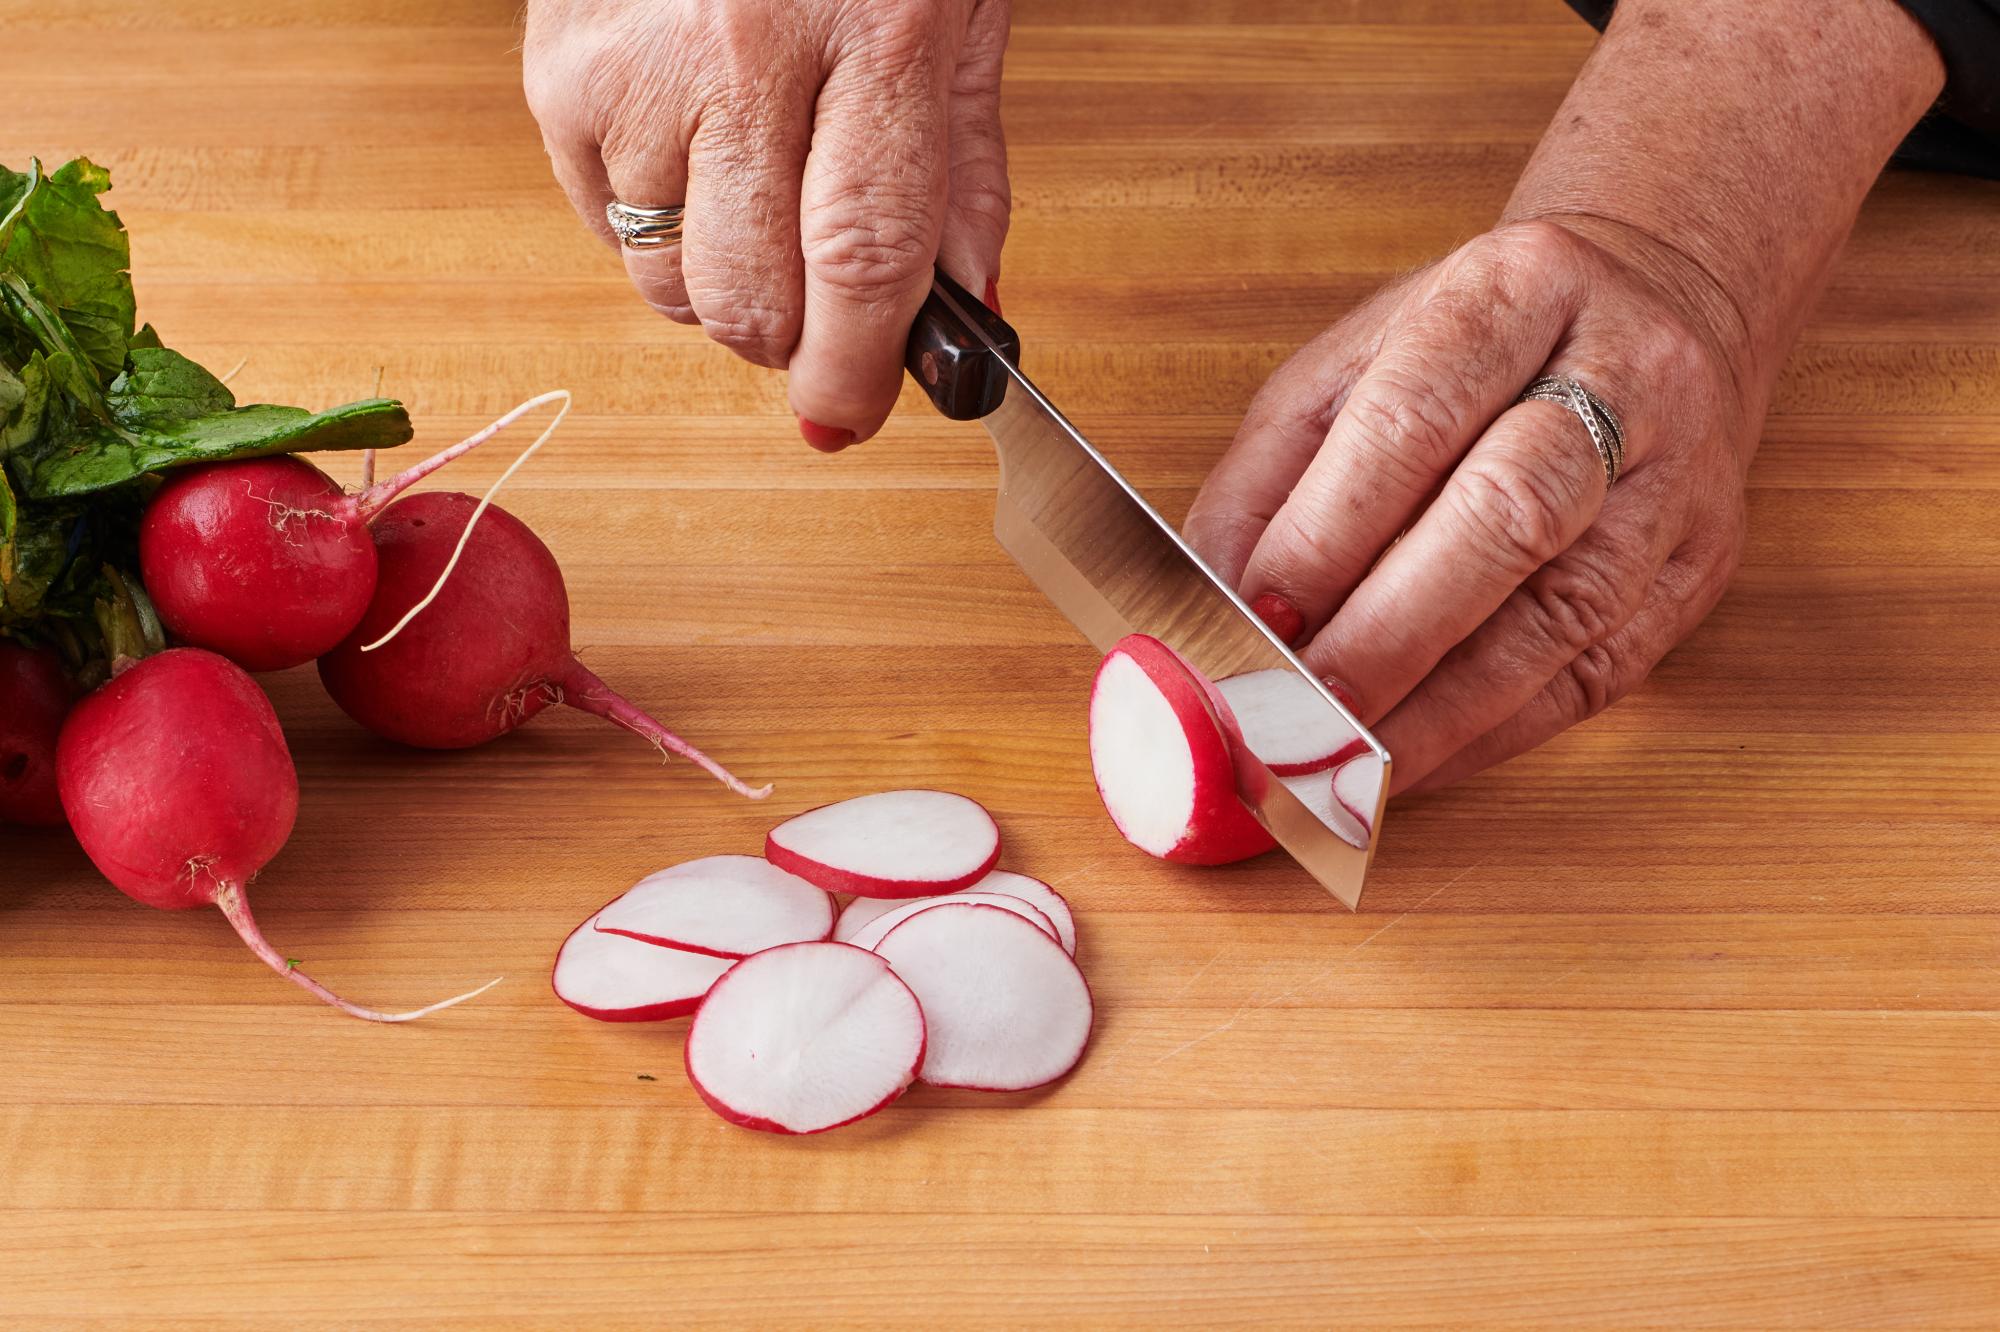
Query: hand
x=1450, y=558
x=828, y=154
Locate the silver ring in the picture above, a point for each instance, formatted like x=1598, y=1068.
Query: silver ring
x=643, y=228
x=1607, y=436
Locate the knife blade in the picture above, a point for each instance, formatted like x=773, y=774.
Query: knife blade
x=1109, y=562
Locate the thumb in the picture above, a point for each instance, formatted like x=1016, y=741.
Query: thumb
x=979, y=201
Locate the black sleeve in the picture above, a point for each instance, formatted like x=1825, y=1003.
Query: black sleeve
x=1962, y=132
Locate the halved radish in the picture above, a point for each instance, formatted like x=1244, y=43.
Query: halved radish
x=727, y=906
x=1356, y=784
x=804, y=1038
x=871, y=934
x=891, y=844
x=616, y=979
x=1164, y=764
x=1005, y=1007
x=1287, y=723
x=1034, y=892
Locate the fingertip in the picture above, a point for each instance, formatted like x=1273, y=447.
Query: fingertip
x=825, y=438
x=1280, y=615
x=992, y=296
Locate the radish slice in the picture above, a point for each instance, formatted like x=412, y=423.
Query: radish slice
x=1005, y=1006
x=804, y=1038
x=1287, y=723
x=1356, y=784
x=726, y=906
x=1164, y=766
x=891, y=844
x=1038, y=895
x=616, y=979
x=859, y=912
x=1315, y=792
x=871, y=934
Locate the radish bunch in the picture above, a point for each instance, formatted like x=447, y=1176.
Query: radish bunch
x=940, y=969
x=1167, y=747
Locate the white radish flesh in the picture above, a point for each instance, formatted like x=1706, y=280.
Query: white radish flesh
x=1315, y=792
x=1287, y=723
x=728, y=906
x=1164, y=766
x=872, y=933
x=1038, y=895
x=1357, y=786
x=891, y=844
x=805, y=1038
x=616, y=979
x=1006, y=1008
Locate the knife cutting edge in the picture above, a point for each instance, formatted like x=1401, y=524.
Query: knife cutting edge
x=1109, y=562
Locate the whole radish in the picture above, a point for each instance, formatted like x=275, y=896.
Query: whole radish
x=474, y=657
x=34, y=699
x=267, y=560
x=177, y=782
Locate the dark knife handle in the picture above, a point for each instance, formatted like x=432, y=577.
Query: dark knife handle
x=949, y=362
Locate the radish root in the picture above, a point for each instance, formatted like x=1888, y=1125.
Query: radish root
x=585, y=692
x=236, y=910
x=374, y=499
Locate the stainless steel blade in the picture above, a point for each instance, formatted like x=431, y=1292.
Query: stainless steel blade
x=1114, y=566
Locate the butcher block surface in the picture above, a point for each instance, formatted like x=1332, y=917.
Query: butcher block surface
x=1691, y=1018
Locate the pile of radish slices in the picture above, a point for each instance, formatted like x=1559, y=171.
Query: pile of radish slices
x=807, y=1017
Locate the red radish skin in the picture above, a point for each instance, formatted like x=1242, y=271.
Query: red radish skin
x=267, y=560
x=1006, y=1008
x=878, y=929
x=1165, y=767
x=725, y=906
x=617, y=979
x=490, y=651
x=178, y=784
x=34, y=698
x=856, y=915
x=891, y=844
x=1356, y=785
x=805, y=1038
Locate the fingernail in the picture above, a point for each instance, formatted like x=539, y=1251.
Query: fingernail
x=1281, y=615
x=1339, y=690
x=993, y=295
x=827, y=439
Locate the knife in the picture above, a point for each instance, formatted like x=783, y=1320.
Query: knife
x=1109, y=562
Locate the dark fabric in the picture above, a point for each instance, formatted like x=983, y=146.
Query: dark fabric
x=1962, y=133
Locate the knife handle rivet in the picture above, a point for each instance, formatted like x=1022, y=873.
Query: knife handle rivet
x=929, y=368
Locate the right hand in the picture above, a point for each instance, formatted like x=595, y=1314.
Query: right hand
x=828, y=153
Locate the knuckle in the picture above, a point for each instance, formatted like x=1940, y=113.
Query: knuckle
x=1409, y=433
x=1576, y=605
x=757, y=332
x=1591, y=683
x=1516, y=515
x=875, y=254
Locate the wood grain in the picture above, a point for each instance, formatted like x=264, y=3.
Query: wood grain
x=1688, y=1020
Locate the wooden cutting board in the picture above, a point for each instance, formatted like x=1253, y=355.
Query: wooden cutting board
x=1690, y=1018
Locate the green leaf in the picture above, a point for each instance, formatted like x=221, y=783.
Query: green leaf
x=164, y=385
x=68, y=364
x=9, y=515
x=72, y=252
x=23, y=421
x=96, y=457
x=147, y=336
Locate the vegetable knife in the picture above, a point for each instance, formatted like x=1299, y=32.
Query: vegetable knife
x=1109, y=562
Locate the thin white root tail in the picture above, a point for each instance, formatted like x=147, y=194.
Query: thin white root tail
x=236, y=910
x=485, y=501
x=585, y=692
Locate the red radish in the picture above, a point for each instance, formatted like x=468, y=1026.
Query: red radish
x=725, y=906
x=34, y=699
x=1005, y=1006
x=1165, y=766
x=1046, y=900
x=804, y=1038
x=490, y=646
x=1287, y=724
x=617, y=979
x=875, y=930
x=177, y=781
x=267, y=560
x=1357, y=787
x=890, y=844
x=1315, y=792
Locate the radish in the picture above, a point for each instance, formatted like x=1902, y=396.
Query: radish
x=177, y=781
x=1046, y=900
x=725, y=906
x=1287, y=723
x=34, y=699
x=1162, y=755
x=890, y=844
x=804, y=1038
x=472, y=657
x=1357, y=785
x=614, y=978
x=873, y=932
x=1005, y=1007
x=267, y=560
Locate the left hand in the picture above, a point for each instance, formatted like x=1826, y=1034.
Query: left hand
x=1454, y=561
